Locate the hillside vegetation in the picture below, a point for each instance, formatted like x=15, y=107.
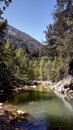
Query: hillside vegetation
x=23, y=59
x=59, y=36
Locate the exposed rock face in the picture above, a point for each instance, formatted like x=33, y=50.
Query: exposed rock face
x=64, y=86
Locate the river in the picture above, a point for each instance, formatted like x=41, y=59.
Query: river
x=48, y=110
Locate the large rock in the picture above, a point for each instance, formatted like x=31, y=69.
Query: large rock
x=64, y=86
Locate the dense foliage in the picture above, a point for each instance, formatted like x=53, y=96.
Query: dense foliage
x=59, y=36
x=17, y=67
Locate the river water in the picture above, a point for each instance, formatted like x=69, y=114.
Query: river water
x=48, y=110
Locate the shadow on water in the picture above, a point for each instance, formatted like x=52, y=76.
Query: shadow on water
x=49, y=112
x=60, y=123
x=45, y=123
x=36, y=124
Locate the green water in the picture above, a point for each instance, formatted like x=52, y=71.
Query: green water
x=45, y=104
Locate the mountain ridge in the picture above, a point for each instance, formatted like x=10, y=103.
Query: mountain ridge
x=23, y=40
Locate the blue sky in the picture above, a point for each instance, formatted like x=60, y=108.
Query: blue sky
x=31, y=16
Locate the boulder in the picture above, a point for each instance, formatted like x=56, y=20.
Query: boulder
x=20, y=112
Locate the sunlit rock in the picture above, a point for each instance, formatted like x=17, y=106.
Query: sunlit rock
x=1, y=104
x=34, y=86
x=19, y=112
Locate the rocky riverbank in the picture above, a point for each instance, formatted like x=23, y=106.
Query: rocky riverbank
x=5, y=120
x=9, y=115
x=64, y=87
x=12, y=119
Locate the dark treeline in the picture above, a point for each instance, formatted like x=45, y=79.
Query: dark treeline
x=17, y=67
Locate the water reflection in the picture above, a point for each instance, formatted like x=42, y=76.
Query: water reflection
x=47, y=108
x=29, y=96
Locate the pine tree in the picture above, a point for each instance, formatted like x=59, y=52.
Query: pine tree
x=59, y=36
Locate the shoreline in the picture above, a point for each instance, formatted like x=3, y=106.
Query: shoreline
x=9, y=115
x=63, y=87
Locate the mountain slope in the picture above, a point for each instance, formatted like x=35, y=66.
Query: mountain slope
x=23, y=40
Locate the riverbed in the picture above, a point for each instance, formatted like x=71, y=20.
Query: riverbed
x=48, y=110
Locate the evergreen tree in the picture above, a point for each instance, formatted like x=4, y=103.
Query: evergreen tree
x=3, y=22
x=5, y=3
x=59, y=36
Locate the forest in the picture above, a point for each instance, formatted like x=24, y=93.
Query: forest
x=18, y=67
